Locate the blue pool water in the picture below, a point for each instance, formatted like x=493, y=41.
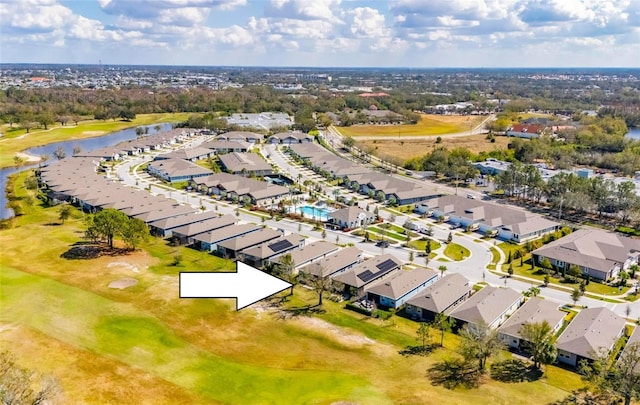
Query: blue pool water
x=311, y=212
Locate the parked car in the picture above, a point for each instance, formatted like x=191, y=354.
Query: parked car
x=382, y=243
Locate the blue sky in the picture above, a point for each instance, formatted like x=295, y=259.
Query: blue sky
x=409, y=33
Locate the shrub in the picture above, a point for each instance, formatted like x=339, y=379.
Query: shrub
x=357, y=309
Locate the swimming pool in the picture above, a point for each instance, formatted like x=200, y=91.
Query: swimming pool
x=309, y=211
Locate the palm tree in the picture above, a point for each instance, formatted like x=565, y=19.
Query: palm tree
x=444, y=323
x=442, y=269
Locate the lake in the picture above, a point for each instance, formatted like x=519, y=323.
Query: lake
x=634, y=133
x=86, y=145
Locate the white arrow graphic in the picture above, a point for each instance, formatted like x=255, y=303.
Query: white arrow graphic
x=248, y=284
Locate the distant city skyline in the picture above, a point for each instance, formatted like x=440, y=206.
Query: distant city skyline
x=323, y=33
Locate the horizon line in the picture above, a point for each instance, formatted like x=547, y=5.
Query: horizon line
x=324, y=67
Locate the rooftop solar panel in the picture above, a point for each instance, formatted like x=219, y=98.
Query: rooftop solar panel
x=280, y=245
x=386, y=265
x=383, y=268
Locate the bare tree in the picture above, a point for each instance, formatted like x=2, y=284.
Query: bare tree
x=479, y=342
x=21, y=386
x=320, y=285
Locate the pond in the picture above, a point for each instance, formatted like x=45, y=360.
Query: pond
x=634, y=133
x=86, y=145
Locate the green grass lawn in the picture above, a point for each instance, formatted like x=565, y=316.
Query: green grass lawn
x=388, y=233
x=145, y=345
x=495, y=255
x=428, y=125
x=537, y=273
x=422, y=244
x=18, y=140
x=456, y=252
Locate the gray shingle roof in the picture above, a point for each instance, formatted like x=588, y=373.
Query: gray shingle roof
x=591, y=330
x=535, y=310
x=439, y=296
x=494, y=215
x=592, y=248
x=486, y=305
x=236, y=162
x=333, y=263
x=401, y=283
x=311, y=251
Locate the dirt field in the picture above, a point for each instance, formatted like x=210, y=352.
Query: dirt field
x=408, y=148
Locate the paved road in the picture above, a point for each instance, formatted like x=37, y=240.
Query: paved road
x=473, y=267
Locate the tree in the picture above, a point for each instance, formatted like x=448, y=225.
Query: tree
x=106, y=224
x=444, y=323
x=411, y=256
x=539, y=342
x=348, y=142
x=479, y=342
x=324, y=234
x=65, y=213
x=76, y=150
x=510, y=269
x=450, y=237
x=423, y=333
x=616, y=379
x=286, y=267
x=59, y=153
x=133, y=232
x=545, y=263
x=427, y=247
x=22, y=386
x=442, y=269
x=575, y=295
x=18, y=160
x=320, y=285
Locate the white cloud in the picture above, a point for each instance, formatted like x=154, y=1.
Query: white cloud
x=327, y=31
x=367, y=22
x=303, y=9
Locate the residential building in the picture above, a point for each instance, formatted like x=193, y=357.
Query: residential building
x=350, y=217
x=354, y=280
x=441, y=297
x=222, y=147
x=335, y=263
x=290, y=138
x=592, y=330
x=162, y=228
x=183, y=235
x=240, y=188
x=599, y=254
x=310, y=253
x=191, y=154
x=508, y=223
x=490, y=306
x=230, y=248
x=535, y=310
x=245, y=164
x=259, y=255
x=240, y=136
x=526, y=130
x=394, y=291
x=176, y=170
x=208, y=241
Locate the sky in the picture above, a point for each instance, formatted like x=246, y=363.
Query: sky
x=323, y=33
